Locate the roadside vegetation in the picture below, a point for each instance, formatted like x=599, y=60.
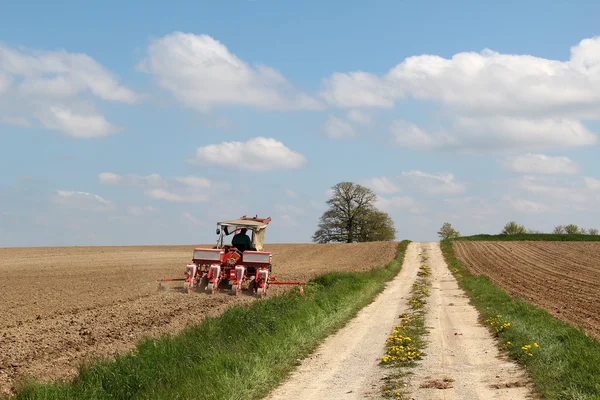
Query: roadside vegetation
x=563, y=362
x=513, y=231
x=405, y=346
x=533, y=237
x=243, y=353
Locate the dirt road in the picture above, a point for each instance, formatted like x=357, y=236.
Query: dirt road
x=62, y=305
x=459, y=347
x=346, y=366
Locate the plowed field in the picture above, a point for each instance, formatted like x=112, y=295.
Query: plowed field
x=562, y=277
x=62, y=305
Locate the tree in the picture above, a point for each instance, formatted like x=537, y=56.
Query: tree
x=534, y=231
x=448, y=232
x=512, y=228
x=353, y=217
x=572, y=229
x=593, y=231
x=376, y=226
x=559, y=230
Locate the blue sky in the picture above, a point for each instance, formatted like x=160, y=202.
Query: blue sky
x=145, y=123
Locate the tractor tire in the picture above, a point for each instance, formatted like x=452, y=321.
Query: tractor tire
x=235, y=290
x=211, y=288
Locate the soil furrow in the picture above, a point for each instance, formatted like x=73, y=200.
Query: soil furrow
x=561, y=277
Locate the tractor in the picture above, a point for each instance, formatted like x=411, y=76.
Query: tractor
x=233, y=266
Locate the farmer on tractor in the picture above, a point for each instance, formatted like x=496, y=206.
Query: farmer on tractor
x=241, y=241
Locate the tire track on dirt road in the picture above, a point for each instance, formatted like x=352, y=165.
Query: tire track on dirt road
x=346, y=365
x=459, y=347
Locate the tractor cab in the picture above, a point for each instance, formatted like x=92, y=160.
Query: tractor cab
x=256, y=227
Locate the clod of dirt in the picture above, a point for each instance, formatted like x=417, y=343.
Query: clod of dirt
x=437, y=384
x=507, y=385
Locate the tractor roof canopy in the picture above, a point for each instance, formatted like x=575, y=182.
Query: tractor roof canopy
x=242, y=223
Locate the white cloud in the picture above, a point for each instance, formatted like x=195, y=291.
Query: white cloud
x=592, y=183
x=163, y=194
x=487, y=83
x=496, y=134
x=542, y=164
x=381, y=185
x=338, y=128
x=415, y=181
x=183, y=189
x=258, y=154
x=522, y=134
x=195, y=182
x=564, y=191
x=53, y=87
x=347, y=126
x=359, y=117
x=527, y=206
x=434, y=184
x=64, y=119
x=202, y=73
x=109, y=178
x=394, y=203
x=141, y=211
x=408, y=134
x=359, y=89
x=496, y=101
x=83, y=201
x=5, y=82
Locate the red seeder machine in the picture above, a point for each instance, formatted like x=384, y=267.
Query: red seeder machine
x=233, y=266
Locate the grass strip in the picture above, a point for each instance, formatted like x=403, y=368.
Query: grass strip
x=532, y=237
x=242, y=354
x=405, y=346
x=563, y=362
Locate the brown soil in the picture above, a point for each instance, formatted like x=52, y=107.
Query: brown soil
x=63, y=305
x=561, y=277
x=445, y=383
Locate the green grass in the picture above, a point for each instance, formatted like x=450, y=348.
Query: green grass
x=406, y=345
x=242, y=354
x=533, y=237
x=566, y=365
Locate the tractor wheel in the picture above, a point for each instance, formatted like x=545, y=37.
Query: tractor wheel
x=235, y=290
x=260, y=293
x=211, y=288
